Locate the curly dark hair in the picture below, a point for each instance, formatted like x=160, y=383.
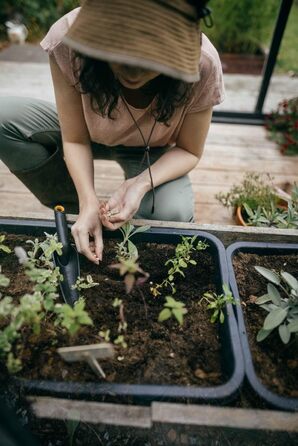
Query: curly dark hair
x=96, y=78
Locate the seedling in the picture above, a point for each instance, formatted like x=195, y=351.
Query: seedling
x=282, y=309
x=83, y=283
x=88, y=353
x=127, y=249
x=72, y=318
x=178, y=263
x=33, y=308
x=129, y=268
x=217, y=303
x=172, y=308
x=3, y=247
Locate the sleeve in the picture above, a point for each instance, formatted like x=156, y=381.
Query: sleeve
x=209, y=90
x=53, y=45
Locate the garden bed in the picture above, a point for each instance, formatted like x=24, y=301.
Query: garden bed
x=200, y=360
x=271, y=366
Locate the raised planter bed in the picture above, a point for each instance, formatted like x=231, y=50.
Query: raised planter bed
x=270, y=366
x=161, y=378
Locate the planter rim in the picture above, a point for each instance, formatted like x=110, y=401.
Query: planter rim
x=274, y=399
x=213, y=394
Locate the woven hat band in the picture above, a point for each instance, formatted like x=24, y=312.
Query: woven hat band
x=145, y=33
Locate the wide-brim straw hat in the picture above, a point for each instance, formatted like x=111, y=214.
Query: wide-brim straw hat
x=158, y=35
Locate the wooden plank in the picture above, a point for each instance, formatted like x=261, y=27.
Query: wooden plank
x=227, y=234
x=163, y=414
x=91, y=412
x=225, y=417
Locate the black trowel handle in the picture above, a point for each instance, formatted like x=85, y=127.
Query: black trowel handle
x=62, y=231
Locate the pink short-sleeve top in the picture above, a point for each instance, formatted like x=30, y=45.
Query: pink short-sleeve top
x=207, y=92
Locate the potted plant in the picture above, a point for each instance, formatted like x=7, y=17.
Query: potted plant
x=166, y=347
x=240, y=33
x=257, y=202
x=282, y=126
x=263, y=277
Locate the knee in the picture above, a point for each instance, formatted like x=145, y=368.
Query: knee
x=177, y=207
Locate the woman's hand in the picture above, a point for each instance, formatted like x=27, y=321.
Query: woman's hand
x=123, y=204
x=89, y=224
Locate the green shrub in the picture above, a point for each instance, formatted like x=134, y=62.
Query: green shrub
x=38, y=15
x=241, y=26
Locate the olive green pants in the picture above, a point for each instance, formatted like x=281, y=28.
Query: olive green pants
x=31, y=147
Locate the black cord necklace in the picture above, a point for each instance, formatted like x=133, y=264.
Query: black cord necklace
x=147, y=150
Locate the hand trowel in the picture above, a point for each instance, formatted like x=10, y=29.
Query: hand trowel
x=68, y=262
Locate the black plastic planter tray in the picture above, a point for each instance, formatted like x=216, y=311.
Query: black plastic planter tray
x=269, y=396
x=231, y=354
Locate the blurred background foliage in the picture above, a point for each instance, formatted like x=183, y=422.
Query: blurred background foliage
x=244, y=26
x=38, y=15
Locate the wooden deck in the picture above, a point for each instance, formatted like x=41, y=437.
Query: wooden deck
x=230, y=151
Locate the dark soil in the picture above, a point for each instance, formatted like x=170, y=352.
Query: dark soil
x=157, y=353
x=276, y=364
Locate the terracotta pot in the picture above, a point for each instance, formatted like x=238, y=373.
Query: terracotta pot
x=238, y=216
x=281, y=204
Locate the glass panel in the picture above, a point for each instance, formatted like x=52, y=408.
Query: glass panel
x=242, y=34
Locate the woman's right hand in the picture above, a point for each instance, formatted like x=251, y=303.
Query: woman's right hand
x=89, y=224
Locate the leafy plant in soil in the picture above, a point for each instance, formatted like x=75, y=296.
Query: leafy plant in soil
x=127, y=320
x=217, y=303
x=282, y=308
x=275, y=216
x=34, y=308
x=126, y=249
x=183, y=258
x=255, y=190
x=172, y=308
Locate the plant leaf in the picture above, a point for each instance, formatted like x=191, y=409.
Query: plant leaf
x=164, y=315
x=178, y=315
x=275, y=318
x=141, y=229
x=263, y=299
x=274, y=294
x=293, y=327
x=132, y=249
x=268, y=274
x=284, y=333
x=262, y=334
x=291, y=281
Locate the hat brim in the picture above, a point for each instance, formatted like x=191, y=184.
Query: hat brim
x=130, y=60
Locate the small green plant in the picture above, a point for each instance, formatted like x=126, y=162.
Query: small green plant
x=172, y=308
x=282, y=307
x=83, y=283
x=3, y=247
x=130, y=269
x=72, y=318
x=183, y=258
x=255, y=190
x=126, y=249
x=275, y=216
x=120, y=340
x=217, y=302
x=105, y=335
x=34, y=308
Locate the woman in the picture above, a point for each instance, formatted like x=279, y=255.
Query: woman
x=134, y=82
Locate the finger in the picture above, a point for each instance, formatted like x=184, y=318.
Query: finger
x=105, y=221
x=85, y=249
x=98, y=244
x=112, y=203
x=76, y=239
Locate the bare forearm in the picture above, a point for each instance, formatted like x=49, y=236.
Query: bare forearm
x=173, y=164
x=79, y=160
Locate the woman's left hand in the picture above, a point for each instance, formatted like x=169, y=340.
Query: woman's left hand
x=123, y=204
